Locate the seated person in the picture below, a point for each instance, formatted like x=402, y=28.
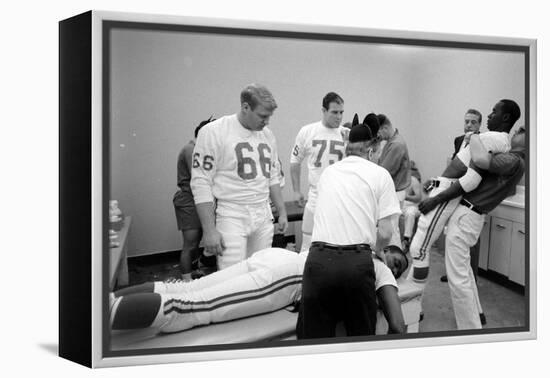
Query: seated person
x=410, y=206
x=431, y=224
x=267, y=281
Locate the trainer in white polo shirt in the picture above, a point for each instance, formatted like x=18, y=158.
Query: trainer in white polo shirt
x=355, y=208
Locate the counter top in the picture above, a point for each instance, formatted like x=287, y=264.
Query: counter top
x=516, y=200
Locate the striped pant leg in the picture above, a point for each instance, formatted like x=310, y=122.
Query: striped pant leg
x=268, y=285
x=430, y=226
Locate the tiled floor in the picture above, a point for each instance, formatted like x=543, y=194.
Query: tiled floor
x=503, y=307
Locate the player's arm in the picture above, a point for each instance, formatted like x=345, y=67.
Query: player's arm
x=384, y=233
x=296, y=158
x=389, y=208
x=277, y=197
x=389, y=300
x=275, y=191
x=414, y=194
x=392, y=159
x=202, y=174
x=454, y=191
x=295, y=172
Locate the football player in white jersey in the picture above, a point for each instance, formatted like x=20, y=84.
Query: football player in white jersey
x=235, y=171
x=321, y=144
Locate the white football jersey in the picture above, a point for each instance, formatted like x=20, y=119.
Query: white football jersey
x=493, y=141
x=354, y=194
x=321, y=146
x=234, y=164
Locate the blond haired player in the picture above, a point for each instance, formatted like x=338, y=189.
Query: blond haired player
x=320, y=144
x=235, y=171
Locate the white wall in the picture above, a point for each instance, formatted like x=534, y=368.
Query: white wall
x=446, y=85
x=164, y=83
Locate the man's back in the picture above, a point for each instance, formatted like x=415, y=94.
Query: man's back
x=353, y=193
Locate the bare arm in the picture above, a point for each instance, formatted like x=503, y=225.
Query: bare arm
x=391, y=307
x=414, y=194
x=383, y=236
x=277, y=198
x=455, y=190
x=213, y=241
x=295, y=171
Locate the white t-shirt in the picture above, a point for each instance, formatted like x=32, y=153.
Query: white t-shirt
x=234, y=164
x=354, y=194
x=321, y=146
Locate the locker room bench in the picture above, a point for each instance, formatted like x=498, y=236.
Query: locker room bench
x=272, y=326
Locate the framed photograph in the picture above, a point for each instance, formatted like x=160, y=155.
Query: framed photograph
x=134, y=88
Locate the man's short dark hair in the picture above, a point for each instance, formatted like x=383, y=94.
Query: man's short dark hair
x=332, y=97
x=205, y=122
x=512, y=108
x=396, y=249
x=383, y=119
x=475, y=112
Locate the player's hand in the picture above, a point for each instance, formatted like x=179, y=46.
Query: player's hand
x=299, y=199
x=282, y=224
x=428, y=204
x=467, y=137
x=213, y=243
x=428, y=185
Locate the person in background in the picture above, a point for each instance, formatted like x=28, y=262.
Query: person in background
x=472, y=124
x=395, y=158
x=410, y=206
x=235, y=172
x=320, y=144
x=184, y=206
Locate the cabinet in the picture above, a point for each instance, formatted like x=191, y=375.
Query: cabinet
x=499, y=245
x=502, y=242
x=517, y=255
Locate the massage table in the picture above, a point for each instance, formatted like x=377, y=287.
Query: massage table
x=270, y=327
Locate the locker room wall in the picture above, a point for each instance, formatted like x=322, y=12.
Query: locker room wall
x=164, y=83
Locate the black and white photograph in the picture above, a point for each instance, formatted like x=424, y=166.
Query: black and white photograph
x=235, y=189
x=274, y=185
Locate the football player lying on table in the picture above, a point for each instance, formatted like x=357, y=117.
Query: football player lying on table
x=269, y=280
x=434, y=218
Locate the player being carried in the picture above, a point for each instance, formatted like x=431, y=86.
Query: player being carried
x=431, y=224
